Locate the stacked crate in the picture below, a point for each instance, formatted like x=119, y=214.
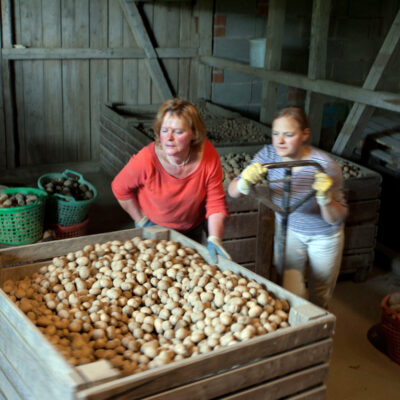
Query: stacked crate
x=290, y=363
x=249, y=232
x=362, y=193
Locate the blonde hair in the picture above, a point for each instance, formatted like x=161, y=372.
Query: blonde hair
x=183, y=109
x=297, y=113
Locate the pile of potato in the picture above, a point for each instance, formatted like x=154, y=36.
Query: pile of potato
x=349, y=170
x=16, y=200
x=68, y=187
x=236, y=130
x=143, y=303
x=233, y=164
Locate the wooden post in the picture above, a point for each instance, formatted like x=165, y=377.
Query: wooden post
x=152, y=62
x=273, y=53
x=360, y=113
x=317, y=65
x=7, y=146
x=205, y=12
x=265, y=241
x=385, y=100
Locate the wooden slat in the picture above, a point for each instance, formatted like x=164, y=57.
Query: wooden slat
x=265, y=241
x=285, y=386
x=130, y=68
x=241, y=250
x=359, y=236
x=76, y=93
x=115, y=41
x=362, y=212
x=314, y=105
x=318, y=393
x=31, y=148
x=12, y=384
x=166, y=32
x=380, y=99
x=250, y=375
x=94, y=53
x=7, y=149
x=356, y=120
x=273, y=56
x=205, y=34
x=186, y=22
x=389, y=141
x=139, y=30
x=52, y=91
x=241, y=225
x=145, y=82
x=98, y=70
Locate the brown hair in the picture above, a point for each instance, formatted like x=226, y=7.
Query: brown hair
x=297, y=113
x=183, y=109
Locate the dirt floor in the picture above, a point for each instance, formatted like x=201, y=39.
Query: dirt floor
x=359, y=367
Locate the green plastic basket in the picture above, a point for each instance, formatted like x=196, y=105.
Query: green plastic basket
x=24, y=224
x=65, y=210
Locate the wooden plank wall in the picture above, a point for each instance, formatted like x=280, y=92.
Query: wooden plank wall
x=58, y=100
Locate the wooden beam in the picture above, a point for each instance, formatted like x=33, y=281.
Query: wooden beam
x=8, y=98
x=385, y=100
x=273, y=55
x=317, y=65
x=142, y=38
x=359, y=115
x=76, y=54
x=205, y=16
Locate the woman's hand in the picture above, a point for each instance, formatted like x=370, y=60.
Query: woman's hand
x=254, y=173
x=214, y=247
x=322, y=184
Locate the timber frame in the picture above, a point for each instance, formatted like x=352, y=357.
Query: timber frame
x=199, y=51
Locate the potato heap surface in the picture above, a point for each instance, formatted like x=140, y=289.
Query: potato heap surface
x=16, y=200
x=142, y=303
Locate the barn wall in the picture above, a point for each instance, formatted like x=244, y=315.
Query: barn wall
x=57, y=101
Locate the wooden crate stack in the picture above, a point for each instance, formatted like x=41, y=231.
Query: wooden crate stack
x=292, y=363
x=247, y=238
x=363, y=197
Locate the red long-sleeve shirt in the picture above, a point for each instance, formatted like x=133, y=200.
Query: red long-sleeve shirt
x=177, y=203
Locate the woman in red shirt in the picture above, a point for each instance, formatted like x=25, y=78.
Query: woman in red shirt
x=176, y=181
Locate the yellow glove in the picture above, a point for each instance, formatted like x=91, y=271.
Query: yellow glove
x=322, y=183
x=254, y=173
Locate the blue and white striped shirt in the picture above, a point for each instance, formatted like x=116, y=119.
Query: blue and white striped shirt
x=307, y=218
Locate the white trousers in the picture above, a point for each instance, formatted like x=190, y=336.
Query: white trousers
x=324, y=255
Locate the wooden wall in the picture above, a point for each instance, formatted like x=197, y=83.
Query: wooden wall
x=76, y=56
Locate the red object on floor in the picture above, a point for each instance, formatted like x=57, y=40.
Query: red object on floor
x=65, y=232
x=390, y=325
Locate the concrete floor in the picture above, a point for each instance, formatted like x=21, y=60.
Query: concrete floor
x=358, y=369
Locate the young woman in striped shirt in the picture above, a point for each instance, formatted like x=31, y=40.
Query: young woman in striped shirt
x=315, y=229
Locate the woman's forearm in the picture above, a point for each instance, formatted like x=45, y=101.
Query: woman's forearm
x=233, y=190
x=333, y=212
x=216, y=224
x=132, y=207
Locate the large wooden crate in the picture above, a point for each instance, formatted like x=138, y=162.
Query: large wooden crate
x=363, y=197
x=290, y=363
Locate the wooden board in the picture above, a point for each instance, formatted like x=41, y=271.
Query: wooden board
x=248, y=375
x=360, y=236
x=300, y=347
x=362, y=212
